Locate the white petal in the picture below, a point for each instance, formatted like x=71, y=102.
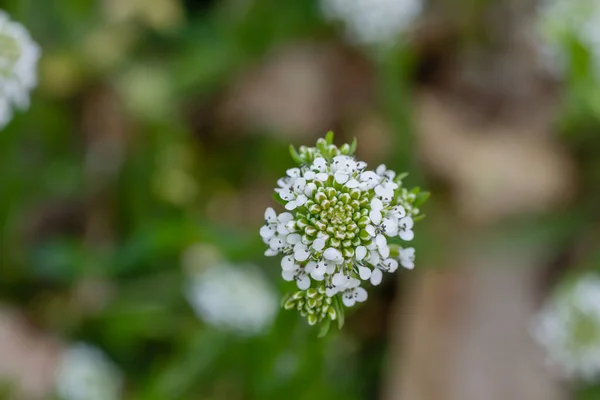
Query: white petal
x=310, y=189
x=271, y=253
x=391, y=265
x=267, y=231
x=287, y=194
x=290, y=205
x=352, y=283
x=322, y=177
x=340, y=280
x=287, y=275
x=316, y=276
x=321, y=267
x=282, y=229
x=376, y=276
x=408, y=253
x=310, y=266
x=301, y=200
x=352, y=184
x=277, y=244
x=381, y=241
x=364, y=272
x=374, y=258
x=360, y=294
x=318, y=244
x=341, y=177
x=361, y=252
x=370, y=230
x=348, y=299
x=390, y=226
x=406, y=235
x=309, y=175
x=299, y=185
x=375, y=216
x=288, y=263
x=270, y=215
x=303, y=282
x=407, y=264
x=330, y=267
x=376, y=204
x=331, y=291
x=384, y=251
x=406, y=223
x=399, y=211
x=370, y=176
x=301, y=254
x=319, y=164
x=381, y=169
x=293, y=172
x=332, y=254
x=285, y=217
x=293, y=238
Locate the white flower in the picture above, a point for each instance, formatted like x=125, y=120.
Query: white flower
x=86, y=373
x=407, y=258
x=18, y=62
x=568, y=327
x=351, y=296
x=373, y=21
x=232, y=297
x=343, y=225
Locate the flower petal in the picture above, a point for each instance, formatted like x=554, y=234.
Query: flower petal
x=270, y=215
x=301, y=254
x=267, y=231
x=290, y=205
x=288, y=263
x=287, y=275
x=341, y=177
x=360, y=253
x=332, y=254
x=406, y=235
x=376, y=276
x=303, y=282
x=293, y=238
x=352, y=184
x=318, y=244
x=391, y=265
x=348, y=299
x=375, y=216
x=360, y=294
x=370, y=230
x=364, y=272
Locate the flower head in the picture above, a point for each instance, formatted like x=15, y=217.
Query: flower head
x=85, y=372
x=18, y=60
x=343, y=226
x=234, y=298
x=568, y=327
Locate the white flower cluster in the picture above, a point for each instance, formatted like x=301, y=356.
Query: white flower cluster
x=339, y=228
x=568, y=327
x=233, y=297
x=19, y=55
x=560, y=22
x=86, y=373
x=373, y=21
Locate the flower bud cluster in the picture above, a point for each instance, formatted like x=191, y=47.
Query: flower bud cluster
x=344, y=225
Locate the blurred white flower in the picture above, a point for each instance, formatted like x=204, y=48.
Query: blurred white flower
x=86, y=373
x=19, y=55
x=568, y=327
x=237, y=297
x=373, y=21
x=560, y=22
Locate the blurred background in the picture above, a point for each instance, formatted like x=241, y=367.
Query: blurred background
x=133, y=188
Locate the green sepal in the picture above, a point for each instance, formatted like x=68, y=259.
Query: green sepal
x=329, y=137
x=353, y=146
x=401, y=176
x=418, y=217
x=324, y=328
x=421, y=198
x=295, y=155
x=339, y=309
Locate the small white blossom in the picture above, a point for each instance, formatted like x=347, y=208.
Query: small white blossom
x=233, y=297
x=568, y=327
x=19, y=55
x=373, y=21
x=344, y=227
x=86, y=373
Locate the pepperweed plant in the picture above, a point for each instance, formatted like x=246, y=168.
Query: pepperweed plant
x=344, y=226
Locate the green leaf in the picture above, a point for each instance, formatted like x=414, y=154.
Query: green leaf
x=401, y=176
x=329, y=137
x=295, y=155
x=324, y=328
